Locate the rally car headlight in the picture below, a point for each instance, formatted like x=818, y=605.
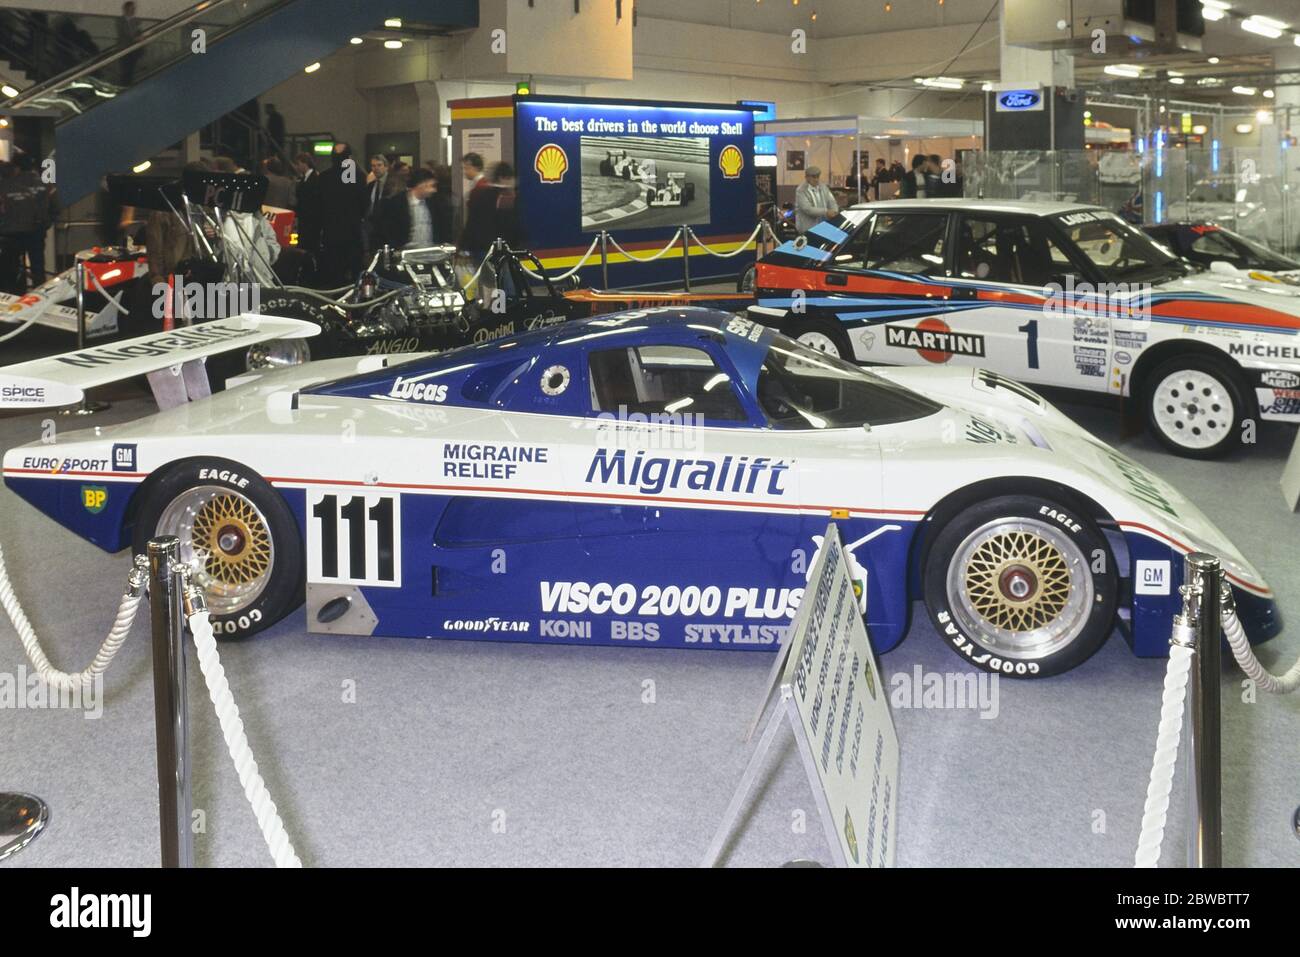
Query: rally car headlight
x=277, y=354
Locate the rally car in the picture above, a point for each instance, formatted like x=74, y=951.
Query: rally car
x=654, y=478
x=1051, y=293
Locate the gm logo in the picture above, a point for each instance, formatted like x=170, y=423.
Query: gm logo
x=124, y=457
x=1020, y=100
x=1151, y=577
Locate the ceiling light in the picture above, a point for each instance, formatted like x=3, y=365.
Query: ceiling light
x=1200, y=129
x=1213, y=9
x=4, y=122
x=141, y=167
x=1174, y=73
x=1245, y=90
x=1177, y=80
x=355, y=41
x=1268, y=94
x=392, y=44
x=941, y=82
x=311, y=67
x=393, y=23
x=1243, y=127
x=11, y=91
x=1213, y=59
x=1264, y=117
x=1209, y=81
x=1123, y=69
x=1264, y=26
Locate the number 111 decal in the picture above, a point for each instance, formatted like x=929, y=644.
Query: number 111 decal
x=354, y=538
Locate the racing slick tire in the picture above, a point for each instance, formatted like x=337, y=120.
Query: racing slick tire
x=1195, y=405
x=1021, y=586
x=748, y=280
x=606, y=168
x=237, y=534
x=820, y=335
x=688, y=193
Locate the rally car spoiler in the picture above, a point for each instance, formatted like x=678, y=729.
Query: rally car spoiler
x=64, y=379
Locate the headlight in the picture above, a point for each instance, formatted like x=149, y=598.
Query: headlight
x=277, y=354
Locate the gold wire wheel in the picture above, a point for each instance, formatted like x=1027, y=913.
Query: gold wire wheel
x=1017, y=581
x=226, y=540
x=1020, y=587
x=231, y=540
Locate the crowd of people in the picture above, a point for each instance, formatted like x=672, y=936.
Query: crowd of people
x=929, y=178
x=344, y=214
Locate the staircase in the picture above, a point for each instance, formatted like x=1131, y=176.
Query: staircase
x=109, y=123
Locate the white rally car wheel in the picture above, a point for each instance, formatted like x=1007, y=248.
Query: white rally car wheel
x=1021, y=586
x=238, y=537
x=820, y=335
x=1196, y=405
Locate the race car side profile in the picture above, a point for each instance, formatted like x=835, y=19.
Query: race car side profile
x=654, y=477
x=1051, y=293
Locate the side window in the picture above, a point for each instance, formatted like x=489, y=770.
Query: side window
x=908, y=243
x=662, y=380
x=1018, y=251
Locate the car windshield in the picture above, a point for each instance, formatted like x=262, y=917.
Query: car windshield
x=1119, y=252
x=1266, y=257
x=799, y=388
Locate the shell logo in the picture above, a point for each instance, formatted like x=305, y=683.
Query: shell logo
x=731, y=161
x=551, y=163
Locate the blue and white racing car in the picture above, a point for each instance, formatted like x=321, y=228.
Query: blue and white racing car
x=658, y=477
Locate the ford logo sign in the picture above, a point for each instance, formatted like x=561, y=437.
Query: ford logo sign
x=1019, y=100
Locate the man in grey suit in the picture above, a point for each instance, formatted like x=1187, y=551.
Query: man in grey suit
x=813, y=201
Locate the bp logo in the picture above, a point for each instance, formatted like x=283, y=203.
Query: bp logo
x=551, y=163
x=94, y=498
x=731, y=161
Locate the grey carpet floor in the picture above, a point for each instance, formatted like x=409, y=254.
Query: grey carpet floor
x=460, y=753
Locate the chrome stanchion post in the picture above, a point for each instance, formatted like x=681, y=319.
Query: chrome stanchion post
x=686, y=257
x=171, y=716
x=604, y=259
x=1204, y=766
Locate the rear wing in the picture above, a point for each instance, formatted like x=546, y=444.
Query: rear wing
x=64, y=379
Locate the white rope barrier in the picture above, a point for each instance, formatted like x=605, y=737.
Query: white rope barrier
x=1182, y=655
x=1241, y=650
x=63, y=680
x=744, y=247
x=565, y=275
x=21, y=329
x=232, y=729
x=115, y=300
x=646, y=259
x=1156, y=810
